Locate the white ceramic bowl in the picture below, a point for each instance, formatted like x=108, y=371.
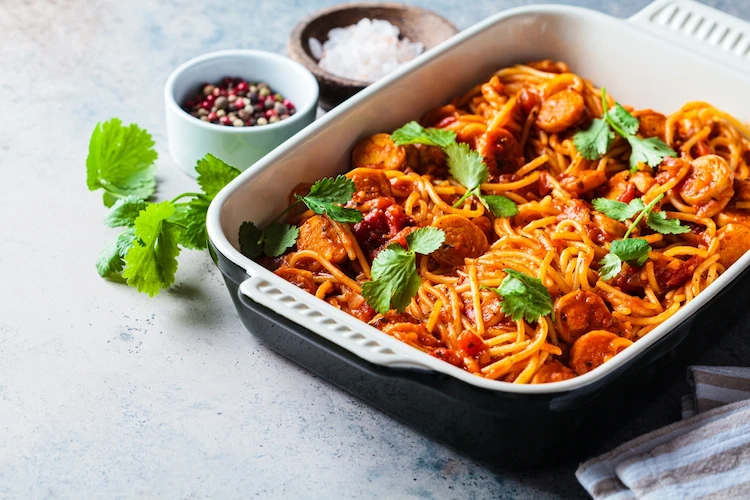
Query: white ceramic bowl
x=190, y=138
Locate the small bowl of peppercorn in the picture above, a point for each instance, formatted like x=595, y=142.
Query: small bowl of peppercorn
x=237, y=105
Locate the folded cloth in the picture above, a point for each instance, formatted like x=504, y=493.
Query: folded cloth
x=714, y=386
x=704, y=456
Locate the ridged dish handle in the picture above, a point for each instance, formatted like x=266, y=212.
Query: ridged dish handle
x=700, y=28
x=334, y=325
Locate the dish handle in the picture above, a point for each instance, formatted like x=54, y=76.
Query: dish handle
x=699, y=28
x=333, y=325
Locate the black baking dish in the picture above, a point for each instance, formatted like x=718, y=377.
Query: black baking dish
x=495, y=421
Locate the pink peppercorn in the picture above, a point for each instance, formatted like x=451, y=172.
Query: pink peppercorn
x=238, y=102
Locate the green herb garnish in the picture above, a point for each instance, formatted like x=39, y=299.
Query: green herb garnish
x=121, y=162
x=596, y=141
x=326, y=197
x=464, y=164
x=395, y=280
x=634, y=250
x=524, y=297
x=151, y=260
x=414, y=133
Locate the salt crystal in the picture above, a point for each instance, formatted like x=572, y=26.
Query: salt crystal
x=365, y=51
x=316, y=49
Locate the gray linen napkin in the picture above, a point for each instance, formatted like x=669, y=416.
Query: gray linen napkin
x=707, y=455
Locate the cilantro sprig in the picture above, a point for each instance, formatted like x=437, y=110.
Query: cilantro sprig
x=395, y=280
x=596, y=141
x=524, y=297
x=144, y=254
x=464, y=164
x=326, y=197
x=634, y=250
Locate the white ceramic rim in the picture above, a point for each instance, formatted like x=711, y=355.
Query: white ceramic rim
x=304, y=73
x=427, y=362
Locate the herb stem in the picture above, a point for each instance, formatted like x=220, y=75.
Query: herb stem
x=285, y=212
x=468, y=193
x=645, y=211
x=184, y=195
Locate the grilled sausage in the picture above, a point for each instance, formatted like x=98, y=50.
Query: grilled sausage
x=580, y=312
x=560, y=111
x=734, y=241
x=379, y=151
x=554, y=371
x=652, y=124
x=463, y=239
x=594, y=349
x=501, y=152
x=319, y=234
x=370, y=183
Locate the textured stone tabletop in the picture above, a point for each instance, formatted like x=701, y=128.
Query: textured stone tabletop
x=107, y=393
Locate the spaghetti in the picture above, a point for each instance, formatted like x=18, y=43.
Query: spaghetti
x=522, y=121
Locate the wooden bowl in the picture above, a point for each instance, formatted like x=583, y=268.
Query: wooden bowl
x=418, y=25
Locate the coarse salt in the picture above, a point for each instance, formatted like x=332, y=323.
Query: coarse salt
x=365, y=51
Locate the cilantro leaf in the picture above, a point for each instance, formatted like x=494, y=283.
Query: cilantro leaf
x=623, y=119
x=414, y=133
x=617, y=209
x=151, y=262
x=650, y=151
x=524, y=297
x=214, y=174
x=120, y=161
x=610, y=266
x=395, y=280
x=500, y=206
x=278, y=237
x=191, y=217
x=659, y=222
x=110, y=262
x=331, y=190
x=341, y=214
x=124, y=211
x=631, y=250
x=594, y=142
x=250, y=240
x=466, y=165
x=325, y=196
x=425, y=240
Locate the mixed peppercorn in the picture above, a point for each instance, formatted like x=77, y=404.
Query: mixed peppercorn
x=238, y=103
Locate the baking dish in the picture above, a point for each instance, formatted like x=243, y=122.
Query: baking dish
x=705, y=55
